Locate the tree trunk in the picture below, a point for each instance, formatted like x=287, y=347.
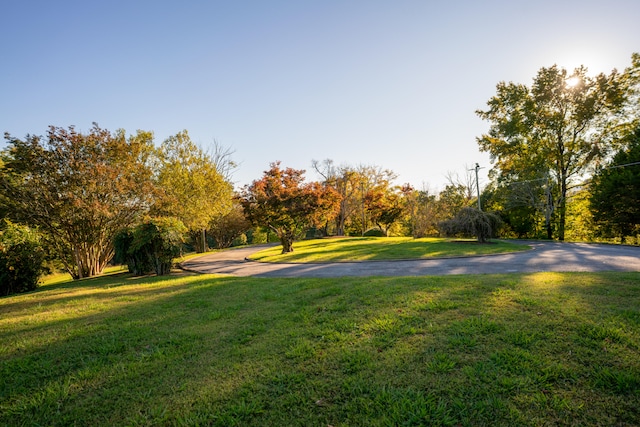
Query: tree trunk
x=199, y=240
x=287, y=245
x=77, y=271
x=549, y=229
x=563, y=209
x=204, y=240
x=340, y=220
x=340, y=225
x=286, y=239
x=561, y=224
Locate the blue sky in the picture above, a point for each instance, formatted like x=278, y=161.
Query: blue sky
x=388, y=83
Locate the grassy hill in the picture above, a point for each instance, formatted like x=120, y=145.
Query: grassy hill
x=383, y=248
x=527, y=349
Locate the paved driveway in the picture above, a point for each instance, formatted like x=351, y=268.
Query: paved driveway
x=545, y=256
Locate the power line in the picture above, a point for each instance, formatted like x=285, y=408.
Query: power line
x=621, y=166
x=582, y=183
x=528, y=180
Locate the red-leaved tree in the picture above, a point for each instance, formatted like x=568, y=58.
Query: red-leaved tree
x=282, y=201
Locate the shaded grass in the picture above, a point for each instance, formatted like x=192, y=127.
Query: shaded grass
x=62, y=277
x=526, y=349
x=382, y=248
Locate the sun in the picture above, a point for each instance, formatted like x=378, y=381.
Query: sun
x=572, y=81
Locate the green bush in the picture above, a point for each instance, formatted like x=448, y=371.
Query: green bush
x=374, y=232
x=137, y=261
x=21, y=259
x=151, y=246
x=241, y=240
x=256, y=236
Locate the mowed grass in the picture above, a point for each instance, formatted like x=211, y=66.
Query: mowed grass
x=382, y=248
x=495, y=350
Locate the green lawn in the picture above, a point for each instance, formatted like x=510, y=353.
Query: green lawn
x=65, y=277
x=527, y=349
x=382, y=248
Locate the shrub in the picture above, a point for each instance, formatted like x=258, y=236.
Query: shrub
x=151, y=246
x=241, y=240
x=21, y=259
x=137, y=262
x=471, y=222
x=374, y=232
x=256, y=236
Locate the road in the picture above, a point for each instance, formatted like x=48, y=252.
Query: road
x=544, y=256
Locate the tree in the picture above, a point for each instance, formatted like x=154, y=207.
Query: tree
x=559, y=125
x=580, y=224
x=360, y=189
x=421, y=210
x=517, y=205
x=78, y=190
x=384, y=207
x=465, y=184
x=194, y=184
x=225, y=228
x=615, y=197
x=373, y=181
x=284, y=203
x=345, y=180
x=452, y=199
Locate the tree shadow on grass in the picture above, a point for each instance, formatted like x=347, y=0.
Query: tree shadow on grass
x=223, y=351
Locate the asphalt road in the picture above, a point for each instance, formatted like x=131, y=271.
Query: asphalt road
x=544, y=256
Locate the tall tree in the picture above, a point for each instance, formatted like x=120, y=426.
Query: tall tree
x=78, y=190
x=466, y=184
x=421, y=210
x=282, y=201
x=615, y=197
x=384, y=206
x=523, y=206
x=372, y=182
x=362, y=189
x=452, y=199
x=194, y=184
x=345, y=180
x=559, y=125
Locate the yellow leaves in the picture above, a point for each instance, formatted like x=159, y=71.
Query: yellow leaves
x=194, y=190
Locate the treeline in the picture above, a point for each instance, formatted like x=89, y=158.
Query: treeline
x=566, y=154
x=79, y=191
x=82, y=200
x=358, y=201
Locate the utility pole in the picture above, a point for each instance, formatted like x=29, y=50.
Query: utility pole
x=362, y=195
x=477, y=168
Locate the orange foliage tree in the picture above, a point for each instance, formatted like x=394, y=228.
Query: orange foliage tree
x=282, y=201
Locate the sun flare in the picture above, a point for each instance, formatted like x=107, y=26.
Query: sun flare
x=572, y=81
